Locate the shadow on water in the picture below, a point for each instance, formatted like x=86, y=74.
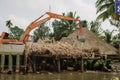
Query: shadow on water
x=63, y=76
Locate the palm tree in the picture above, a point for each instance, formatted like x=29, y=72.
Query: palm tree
x=62, y=28
x=95, y=27
x=115, y=41
x=106, y=9
x=108, y=36
x=9, y=23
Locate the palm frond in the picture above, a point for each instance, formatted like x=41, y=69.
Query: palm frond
x=110, y=9
x=103, y=7
x=112, y=1
x=104, y=15
x=99, y=2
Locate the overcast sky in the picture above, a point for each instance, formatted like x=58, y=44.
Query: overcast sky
x=23, y=12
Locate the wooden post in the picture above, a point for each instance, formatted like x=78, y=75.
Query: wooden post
x=58, y=64
x=17, y=62
x=34, y=63
x=2, y=62
x=10, y=62
x=82, y=65
x=25, y=62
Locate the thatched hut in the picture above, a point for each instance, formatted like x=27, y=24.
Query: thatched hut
x=92, y=42
x=49, y=56
x=71, y=46
x=69, y=49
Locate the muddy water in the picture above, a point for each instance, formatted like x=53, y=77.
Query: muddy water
x=62, y=76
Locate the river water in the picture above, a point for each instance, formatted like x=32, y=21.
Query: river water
x=62, y=76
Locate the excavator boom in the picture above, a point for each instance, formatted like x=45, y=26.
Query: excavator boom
x=39, y=22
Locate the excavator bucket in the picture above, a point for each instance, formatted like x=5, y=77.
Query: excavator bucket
x=81, y=38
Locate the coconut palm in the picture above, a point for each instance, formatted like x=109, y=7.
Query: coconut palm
x=9, y=23
x=62, y=28
x=115, y=41
x=106, y=9
x=108, y=36
x=95, y=27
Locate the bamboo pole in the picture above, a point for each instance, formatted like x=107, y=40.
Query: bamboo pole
x=82, y=65
x=58, y=64
x=34, y=63
x=25, y=63
x=82, y=68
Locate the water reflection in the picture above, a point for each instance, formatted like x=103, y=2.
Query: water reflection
x=63, y=76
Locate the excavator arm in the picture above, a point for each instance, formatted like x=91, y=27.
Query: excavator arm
x=40, y=21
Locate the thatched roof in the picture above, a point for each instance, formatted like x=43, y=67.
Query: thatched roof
x=92, y=41
x=54, y=49
x=71, y=46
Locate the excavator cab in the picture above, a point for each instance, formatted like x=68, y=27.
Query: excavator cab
x=6, y=40
x=4, y=35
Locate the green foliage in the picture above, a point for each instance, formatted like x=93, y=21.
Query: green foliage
x=106, y=9
x=115, y=23
x=15, y=31
x=108, y=36
x=84, y=23
x=95, y=27
x=99, y=64
x=88, y=64
x=62, y=28
x=41, y=32
x=115, y=41
x=9, y=23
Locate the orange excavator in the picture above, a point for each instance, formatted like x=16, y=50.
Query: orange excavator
x=38, y=22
